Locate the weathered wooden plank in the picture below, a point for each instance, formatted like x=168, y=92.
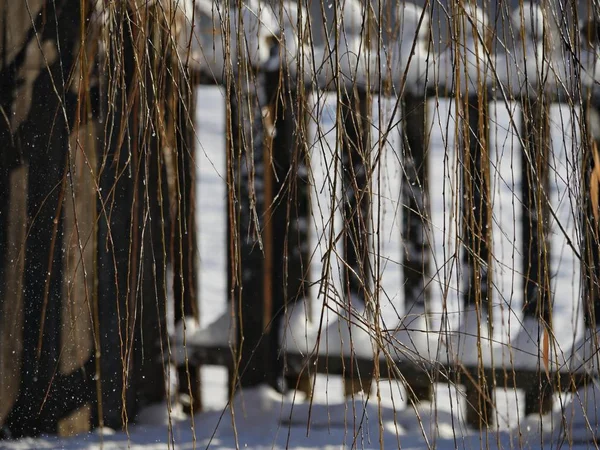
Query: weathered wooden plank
x=41, y=136
x=11, y=319
x=535, y=210
x=79, y=253
x=476, y=206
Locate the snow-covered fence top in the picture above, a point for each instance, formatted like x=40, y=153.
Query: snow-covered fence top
x=530, y=55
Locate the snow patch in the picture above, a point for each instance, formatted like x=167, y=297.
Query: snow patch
x=160, y=414
x=217, y=334
x=348, y=331
x=298, y=333
x=580, y=419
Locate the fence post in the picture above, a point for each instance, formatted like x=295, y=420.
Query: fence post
x=467, y=61
x=355, y=107
x=134, y=225
x=290, y=205
x=415, y=215
x=38, y=127
x=183, y=254
x=13, y=232
x=247, y=215
x=535, y=166
x=84, y=252
x=118, y=247
x=476, y=228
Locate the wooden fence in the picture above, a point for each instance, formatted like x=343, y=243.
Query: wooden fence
x=395, y=354
x=98, y=210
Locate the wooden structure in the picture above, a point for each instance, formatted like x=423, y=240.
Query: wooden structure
x=85, y=248
x=95, y=204
x=480, y=380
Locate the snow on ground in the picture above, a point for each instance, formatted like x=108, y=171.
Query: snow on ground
x=260, y=418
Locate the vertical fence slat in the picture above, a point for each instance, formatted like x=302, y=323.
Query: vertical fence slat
x=535, y=210
x=184, y=256
x=476, y=209
x=290, y=209
x=535, y=239
x=246, y=221
x=11, y=319
x=79, y=249
x=116, y=236
x=415, y=214
x=414, y=200
x=476, y=229
x=355, y=152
